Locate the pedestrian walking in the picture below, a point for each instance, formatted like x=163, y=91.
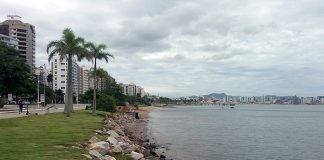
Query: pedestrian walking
x=20, y=106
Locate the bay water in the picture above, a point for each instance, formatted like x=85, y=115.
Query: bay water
x=247, y=132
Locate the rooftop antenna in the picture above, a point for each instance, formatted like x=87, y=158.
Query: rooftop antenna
x=13, y=17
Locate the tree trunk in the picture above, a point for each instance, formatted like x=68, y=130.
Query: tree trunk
x=69, y=97
x=94, y=89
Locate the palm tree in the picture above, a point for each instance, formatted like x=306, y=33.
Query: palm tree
x=97, y=52
x=67, y=47
x=50, y=78
x=100, y=75
x=49, y=81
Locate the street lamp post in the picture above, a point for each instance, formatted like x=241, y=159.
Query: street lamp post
x=44, y=84
x=37, y=72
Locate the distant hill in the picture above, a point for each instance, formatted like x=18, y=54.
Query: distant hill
x=193, y=97
x=216, y=95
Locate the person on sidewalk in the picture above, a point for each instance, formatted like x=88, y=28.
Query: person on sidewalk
x=20, y=106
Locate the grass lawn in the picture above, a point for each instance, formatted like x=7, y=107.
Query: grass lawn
x=46, y=137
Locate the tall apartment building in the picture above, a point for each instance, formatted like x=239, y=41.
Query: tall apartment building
x=80, y=79
x=25, y=33
x=75, y=82
x=59, y=71
x=10, y=41
x=101, y=83
x=133, y=90
x=43, y=75
x=83, y=79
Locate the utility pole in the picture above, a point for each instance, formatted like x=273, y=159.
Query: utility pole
x=37, y=72
x=44, y=84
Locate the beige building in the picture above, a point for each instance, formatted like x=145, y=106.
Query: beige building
x=25, y=33
x=83, y=79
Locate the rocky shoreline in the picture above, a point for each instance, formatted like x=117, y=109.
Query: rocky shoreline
x=123, y=134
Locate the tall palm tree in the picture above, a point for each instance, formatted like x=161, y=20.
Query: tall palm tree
x=68, y=47
x=100, y=75
x=97, y=52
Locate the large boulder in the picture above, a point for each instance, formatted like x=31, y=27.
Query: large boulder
x=94, y=139
x=102, y=147
x=113, y=133
x=112, y=140
x=127, y=148
x=98, y=131
x=107, y=157
x=116, y=150
x=119, y=131
x=96, y=155
x=136, y=155
x=87, y=156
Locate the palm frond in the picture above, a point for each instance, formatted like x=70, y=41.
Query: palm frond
x=52, y=53
x=52, y=44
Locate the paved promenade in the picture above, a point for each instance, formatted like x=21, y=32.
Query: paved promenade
x=11, y=111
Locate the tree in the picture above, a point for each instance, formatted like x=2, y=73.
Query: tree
x=97, y=52
x=59, y=96
x=49, y=78
x=68, y=47
x=101, y=75
x=15, y=76
x=106, y=103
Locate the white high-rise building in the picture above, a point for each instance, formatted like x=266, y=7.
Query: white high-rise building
x=43, y=75
x=59, y=70
x=133, y=90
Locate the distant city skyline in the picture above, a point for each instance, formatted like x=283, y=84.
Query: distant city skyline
x=182, y=48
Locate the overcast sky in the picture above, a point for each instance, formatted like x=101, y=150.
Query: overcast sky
x=191, y=47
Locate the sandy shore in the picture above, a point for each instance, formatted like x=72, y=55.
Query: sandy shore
x=144, y=111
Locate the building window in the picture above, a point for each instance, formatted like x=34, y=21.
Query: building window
x=62, y=81
x=62, y=63
x=62, y=75
x=62, y=87
x=55, y=60
x=62, y=69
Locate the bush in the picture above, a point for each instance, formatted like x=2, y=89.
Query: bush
x=106, y=103
x=2, y=102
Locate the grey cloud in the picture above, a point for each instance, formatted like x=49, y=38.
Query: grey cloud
x=239, y=47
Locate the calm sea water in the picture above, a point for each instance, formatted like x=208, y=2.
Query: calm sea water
x=248, y=132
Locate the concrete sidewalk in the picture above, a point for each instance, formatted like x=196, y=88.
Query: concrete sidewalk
x=12, y=110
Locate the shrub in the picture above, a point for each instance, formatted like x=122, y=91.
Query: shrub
x=2, y=102
x=106, y=103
